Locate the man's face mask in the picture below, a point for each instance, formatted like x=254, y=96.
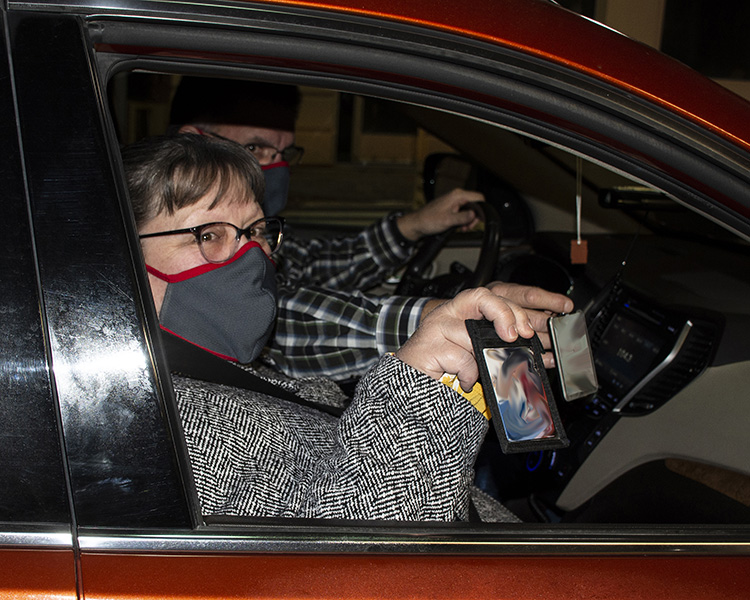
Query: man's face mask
x=227, y=308
x=277, y=188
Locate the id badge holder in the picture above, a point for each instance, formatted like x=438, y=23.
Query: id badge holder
x=516, y=390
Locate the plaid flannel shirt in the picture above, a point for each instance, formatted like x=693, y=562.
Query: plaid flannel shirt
x=327, y=324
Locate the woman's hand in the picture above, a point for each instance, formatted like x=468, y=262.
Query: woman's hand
x=441, y=344
x=538, y=303
x=540, y=306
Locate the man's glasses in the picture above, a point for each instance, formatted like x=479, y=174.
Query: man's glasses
x=265, y=153
x=219, y=242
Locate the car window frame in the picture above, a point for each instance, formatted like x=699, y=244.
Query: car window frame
x=588, y=114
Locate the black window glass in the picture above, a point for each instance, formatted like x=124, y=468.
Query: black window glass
x=31, y=472
x=118, y=444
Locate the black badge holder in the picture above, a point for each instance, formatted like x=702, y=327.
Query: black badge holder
x=516, y=390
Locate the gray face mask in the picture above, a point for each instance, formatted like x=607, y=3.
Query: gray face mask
x=227, y=308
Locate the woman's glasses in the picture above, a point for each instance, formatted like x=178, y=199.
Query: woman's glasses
x=219, y=242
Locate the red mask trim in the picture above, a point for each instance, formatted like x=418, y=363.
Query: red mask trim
x=201, y=269
x=219, y=354
x=282, y=163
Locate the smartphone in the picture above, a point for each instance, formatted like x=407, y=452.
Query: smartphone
x=572, y=349
x=516, y=390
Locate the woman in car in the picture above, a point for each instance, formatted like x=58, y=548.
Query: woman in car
x=403, y=449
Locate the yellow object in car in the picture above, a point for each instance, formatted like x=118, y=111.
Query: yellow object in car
x=475, y=395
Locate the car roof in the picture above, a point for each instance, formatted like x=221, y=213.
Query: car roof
x=539, y=28
x=536, y=28
x=544, y=29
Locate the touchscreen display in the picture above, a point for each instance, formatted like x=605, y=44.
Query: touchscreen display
x=626, y=353
x=520, y=393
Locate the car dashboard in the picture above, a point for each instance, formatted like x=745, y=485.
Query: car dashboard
x=666, y=321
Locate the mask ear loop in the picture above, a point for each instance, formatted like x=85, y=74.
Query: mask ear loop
x=579, y=251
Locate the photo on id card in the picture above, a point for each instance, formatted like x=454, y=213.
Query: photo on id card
x=516, y=390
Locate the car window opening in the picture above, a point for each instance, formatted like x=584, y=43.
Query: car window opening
x=656, y=326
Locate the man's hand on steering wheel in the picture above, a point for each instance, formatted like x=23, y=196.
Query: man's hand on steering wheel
x=462, y=210
x=440, y=215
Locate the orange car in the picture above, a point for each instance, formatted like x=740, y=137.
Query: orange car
x=571, y=131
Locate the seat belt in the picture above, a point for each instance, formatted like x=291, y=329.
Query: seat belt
x=190, y=360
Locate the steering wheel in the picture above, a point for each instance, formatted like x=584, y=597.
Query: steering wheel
x=413, y=282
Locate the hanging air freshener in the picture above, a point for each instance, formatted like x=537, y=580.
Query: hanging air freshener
x=579, y=249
